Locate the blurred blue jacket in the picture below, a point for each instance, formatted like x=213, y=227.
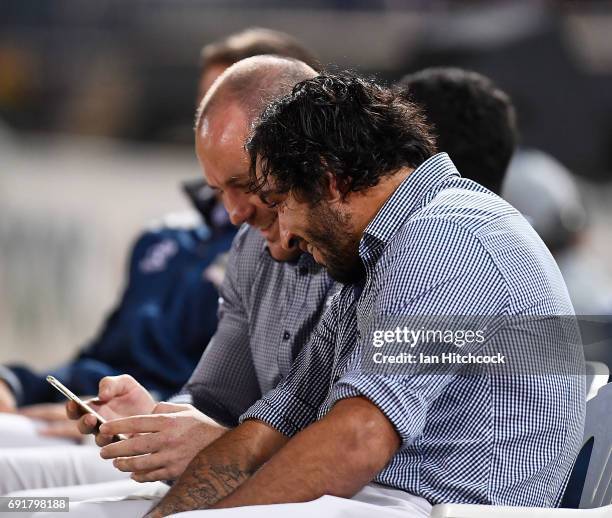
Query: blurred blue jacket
x=158, y=331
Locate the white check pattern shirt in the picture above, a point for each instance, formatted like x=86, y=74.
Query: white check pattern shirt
x=444, y=245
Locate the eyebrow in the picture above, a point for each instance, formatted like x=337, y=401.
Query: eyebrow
x=230, y=182
x=264, y=194
x=236, y=180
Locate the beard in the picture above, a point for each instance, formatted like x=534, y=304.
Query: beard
x=330, y=232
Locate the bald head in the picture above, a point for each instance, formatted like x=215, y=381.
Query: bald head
x=224, y=120
x=252, y=84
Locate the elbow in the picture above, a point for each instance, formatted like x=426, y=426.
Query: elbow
x=370, y=440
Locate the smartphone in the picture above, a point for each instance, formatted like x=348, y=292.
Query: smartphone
x=84, y=406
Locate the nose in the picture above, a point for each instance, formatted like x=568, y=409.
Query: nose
x=239, y=210
x=288, y=240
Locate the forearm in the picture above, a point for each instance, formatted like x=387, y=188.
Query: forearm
x=27, y=386
x=221, y=468
x=336, y=456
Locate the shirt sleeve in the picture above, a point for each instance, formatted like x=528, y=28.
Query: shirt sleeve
x=12, y=380
x=294, y=404
x=224, y=383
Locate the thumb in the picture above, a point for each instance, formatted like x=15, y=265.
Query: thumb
x=115, y=386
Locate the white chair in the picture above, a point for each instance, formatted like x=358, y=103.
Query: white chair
x=597, y=374
x=596, y=495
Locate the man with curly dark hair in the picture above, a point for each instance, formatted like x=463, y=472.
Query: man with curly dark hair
x=360, y=427
x=358, y=149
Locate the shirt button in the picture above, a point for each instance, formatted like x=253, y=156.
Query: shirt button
x=286, y=335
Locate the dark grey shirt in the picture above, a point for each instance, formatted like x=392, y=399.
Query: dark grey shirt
x=267, y=313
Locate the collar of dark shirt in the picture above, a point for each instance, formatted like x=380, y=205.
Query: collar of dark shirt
x=307, y=261
x=403, y=202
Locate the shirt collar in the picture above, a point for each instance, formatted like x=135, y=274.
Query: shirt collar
x=307, y=261
x=304, y=260
x=404, y=201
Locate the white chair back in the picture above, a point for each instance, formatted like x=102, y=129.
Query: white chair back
x=597, y=374
x=597, y=489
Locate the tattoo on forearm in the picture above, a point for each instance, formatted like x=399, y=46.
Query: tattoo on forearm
x=230, y=476
x=202, y=487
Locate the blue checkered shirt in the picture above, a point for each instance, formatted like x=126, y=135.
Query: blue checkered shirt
x=444, y=245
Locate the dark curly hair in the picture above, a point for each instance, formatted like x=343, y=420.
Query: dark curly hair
x=474, y=121
x=342, y=124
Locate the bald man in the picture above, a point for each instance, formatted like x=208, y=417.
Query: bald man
x=234, y=377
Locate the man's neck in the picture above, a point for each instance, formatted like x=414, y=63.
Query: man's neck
x=366, y=204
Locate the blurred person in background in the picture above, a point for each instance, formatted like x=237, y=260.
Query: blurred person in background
x=474, y=121
x=218, y=56
x=547, y=194
x=166, y=315
x=168, y=310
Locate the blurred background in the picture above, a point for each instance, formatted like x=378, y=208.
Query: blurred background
x=97, y=102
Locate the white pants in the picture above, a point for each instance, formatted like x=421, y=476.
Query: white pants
x=116, y=488
x=30, y=461
x=372, y=500
x=36, y=468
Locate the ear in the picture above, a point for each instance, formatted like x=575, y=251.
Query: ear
x=335, y=192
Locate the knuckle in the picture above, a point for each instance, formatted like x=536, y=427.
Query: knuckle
x=172, y=472
x=139, y=464
x=121, y=465
x=103, y=440
x=105, y=381
x=167, y=421
x=143, y=445
x=161, y=407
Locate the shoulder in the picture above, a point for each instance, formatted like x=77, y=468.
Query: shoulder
x=178, y=235
x=247, y=256
x=248, y=247
x=172, y=226
x=459, y=220
x=442, y=243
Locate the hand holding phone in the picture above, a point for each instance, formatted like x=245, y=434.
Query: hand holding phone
x=84, y=406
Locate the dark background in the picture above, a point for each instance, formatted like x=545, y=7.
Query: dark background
x=127, y=68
